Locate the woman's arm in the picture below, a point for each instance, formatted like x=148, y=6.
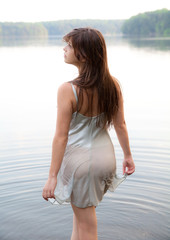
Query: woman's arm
x=122, y=134
x=64, y=114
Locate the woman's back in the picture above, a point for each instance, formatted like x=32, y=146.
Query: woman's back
x=91, y=95
x=89, y=163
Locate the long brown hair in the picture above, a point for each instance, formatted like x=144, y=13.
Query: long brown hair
x=89, y=45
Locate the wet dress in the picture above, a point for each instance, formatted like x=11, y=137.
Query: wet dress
x=88, y=168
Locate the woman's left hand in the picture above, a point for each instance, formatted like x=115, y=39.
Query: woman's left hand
x=128, y=165
x=48, y=190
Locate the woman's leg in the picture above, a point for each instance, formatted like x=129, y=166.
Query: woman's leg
x=75, y=234
x=86, y=222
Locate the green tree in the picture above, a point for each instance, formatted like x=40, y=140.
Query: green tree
x=148, y=24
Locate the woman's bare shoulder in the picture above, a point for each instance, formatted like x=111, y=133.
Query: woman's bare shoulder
x=117, y=83
x=66, y=86
x=65, y=92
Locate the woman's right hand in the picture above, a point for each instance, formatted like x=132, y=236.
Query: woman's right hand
x=48, y=190
x=128, y=165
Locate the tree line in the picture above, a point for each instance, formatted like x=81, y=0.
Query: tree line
x=20, y=29
x=57, y=28
x=156, y=23
x=152, y=24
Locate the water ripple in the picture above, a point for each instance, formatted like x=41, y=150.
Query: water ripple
x=23, y=172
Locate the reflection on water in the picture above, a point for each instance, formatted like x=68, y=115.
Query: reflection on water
x=29, y=41
x=139, y=208
x=162, y=44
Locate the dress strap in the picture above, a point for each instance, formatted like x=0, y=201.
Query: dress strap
x=75, y=94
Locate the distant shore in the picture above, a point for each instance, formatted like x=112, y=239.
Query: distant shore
x=149, y=24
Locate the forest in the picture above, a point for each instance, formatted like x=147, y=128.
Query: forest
x=152, y=24
x=58, y=28
x=149, y=24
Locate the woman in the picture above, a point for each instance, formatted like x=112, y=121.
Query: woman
x=83, y=165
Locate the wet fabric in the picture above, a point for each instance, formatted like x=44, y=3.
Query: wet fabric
x=88, y=168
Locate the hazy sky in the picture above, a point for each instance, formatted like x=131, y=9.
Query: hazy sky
x=51, y=10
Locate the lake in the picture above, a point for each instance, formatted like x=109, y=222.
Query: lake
x=31, y=71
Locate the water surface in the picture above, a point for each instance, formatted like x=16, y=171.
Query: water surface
x=31, y=72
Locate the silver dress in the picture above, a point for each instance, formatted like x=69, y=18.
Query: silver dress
x=88, y=168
